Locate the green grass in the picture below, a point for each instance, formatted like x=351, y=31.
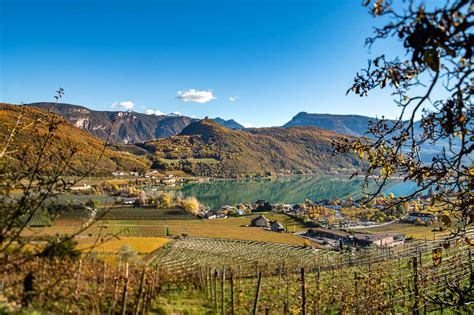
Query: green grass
x=178, y=301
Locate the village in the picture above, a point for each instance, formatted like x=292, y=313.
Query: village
x=331, y=223
x=344, y=233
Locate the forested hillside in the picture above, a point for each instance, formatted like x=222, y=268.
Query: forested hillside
x=206, y=148
x=32, y=126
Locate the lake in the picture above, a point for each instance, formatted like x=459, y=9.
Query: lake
x=294, y=189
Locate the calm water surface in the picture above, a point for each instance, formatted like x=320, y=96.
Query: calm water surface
x=293, y=189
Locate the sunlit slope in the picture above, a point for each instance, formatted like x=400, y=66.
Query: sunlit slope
x=206, y=148
x=31, y=134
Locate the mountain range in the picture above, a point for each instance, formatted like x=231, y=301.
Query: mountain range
x=207, y=147
x=354, y=125
x=121, y=127
x=203, y=147
x=125, y=127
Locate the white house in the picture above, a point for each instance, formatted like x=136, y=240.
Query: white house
x=425, y=217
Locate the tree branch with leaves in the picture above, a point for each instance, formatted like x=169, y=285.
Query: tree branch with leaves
x=432, y=86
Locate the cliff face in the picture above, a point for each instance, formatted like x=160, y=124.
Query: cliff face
x=119, y=127
x=125, y=127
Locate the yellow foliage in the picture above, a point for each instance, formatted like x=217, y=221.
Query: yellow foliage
x=141, y=245
x=191, y=205
x=165, y=200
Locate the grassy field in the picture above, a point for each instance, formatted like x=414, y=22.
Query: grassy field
x=152, y=226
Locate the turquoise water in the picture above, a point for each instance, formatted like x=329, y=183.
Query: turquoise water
x=293, y=189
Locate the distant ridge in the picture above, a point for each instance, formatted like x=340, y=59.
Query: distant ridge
x=231, y=124
x=354, y=125
x=125, y=127
x=357, y=126
x=206, y=148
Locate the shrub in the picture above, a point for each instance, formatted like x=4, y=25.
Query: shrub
x=127, y=253
x=191, y=205
x=165, y=200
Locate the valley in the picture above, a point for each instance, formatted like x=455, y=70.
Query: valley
x=204, y=202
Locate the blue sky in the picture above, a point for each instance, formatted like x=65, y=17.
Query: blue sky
x=259, y=62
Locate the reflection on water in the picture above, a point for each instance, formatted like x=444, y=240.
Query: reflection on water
x=293, y=189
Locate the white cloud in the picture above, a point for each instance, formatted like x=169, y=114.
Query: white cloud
x=233, y=98
x=247, y=125
x=154, y=112
x=197, y=96
x=176, y=113
x=128, y=105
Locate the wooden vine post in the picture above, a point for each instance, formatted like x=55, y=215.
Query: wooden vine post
x=104, y=280
x=257, y=294
x=303, y=293
x=232, y=311
x=215, y=291
x=416, y=310
x=356, y=280
x=78, y=278
x=125, y=291
x=318, y=283
x=223, y=291
x=114, y=294
x=139, y=295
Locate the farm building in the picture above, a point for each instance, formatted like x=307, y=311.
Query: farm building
x=327, y=233
x=277, y=227
x=260, y=221
x=81, y=188
x=387, y=239
x=357, y=239
x=425, y=217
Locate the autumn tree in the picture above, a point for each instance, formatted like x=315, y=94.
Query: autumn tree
x=432, y=84
x=32, y=175
x=191, y=205
x=432, y=87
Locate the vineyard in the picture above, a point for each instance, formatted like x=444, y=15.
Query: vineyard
x=130, y=213
x=188, y=252
x=285, y=280
x=198, y=275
